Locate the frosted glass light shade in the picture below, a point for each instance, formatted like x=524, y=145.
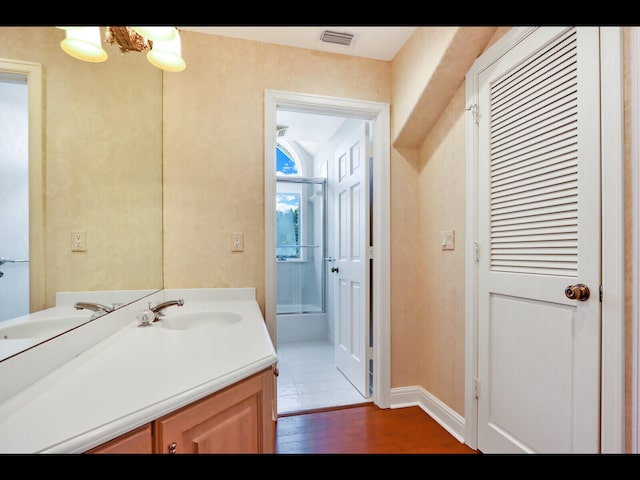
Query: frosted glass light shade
x=84, y=44
x=167, y=55
x=157, y=34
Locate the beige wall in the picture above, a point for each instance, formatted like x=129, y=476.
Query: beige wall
x=442, y=197
x=214, y=148
x=428, y=195
x=102, y=150
x=426, y=74
x=414, y=67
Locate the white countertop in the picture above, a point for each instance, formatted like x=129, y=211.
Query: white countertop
x=137, y=375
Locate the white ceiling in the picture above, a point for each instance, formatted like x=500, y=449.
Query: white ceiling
x=310, y=130
x=376, y=42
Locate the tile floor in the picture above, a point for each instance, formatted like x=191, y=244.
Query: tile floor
x=309, y=380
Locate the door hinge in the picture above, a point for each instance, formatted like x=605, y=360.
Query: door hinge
x=474, y=110
x=370, y=353
x=476, y=255
x=476, y=388
x=600, y=293
x=370, y=252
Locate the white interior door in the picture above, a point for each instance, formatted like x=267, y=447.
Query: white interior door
x=538, y=386
x=14, y=196
x=350, y=271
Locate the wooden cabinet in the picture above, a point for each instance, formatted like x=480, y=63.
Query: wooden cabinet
x=237, y=419
x=136, y=441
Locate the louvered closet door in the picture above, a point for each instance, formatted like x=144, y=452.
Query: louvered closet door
x=539, y=233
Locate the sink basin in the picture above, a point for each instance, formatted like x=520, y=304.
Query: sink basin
x=40, y=328
x=198, y=320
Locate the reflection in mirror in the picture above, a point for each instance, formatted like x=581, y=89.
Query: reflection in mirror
x=72, y=309
x=14, y=187
x=93, y=152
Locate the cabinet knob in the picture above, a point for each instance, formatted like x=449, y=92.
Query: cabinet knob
x=172, y=447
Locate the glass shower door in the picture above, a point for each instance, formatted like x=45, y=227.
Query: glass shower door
x=300, y=245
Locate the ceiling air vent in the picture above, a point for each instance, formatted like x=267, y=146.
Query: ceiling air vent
x=336, y=37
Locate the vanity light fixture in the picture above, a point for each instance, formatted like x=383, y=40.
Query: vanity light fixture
x=83, y=43
x=163, y=44
x=166, y=54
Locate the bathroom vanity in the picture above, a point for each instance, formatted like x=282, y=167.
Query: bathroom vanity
x=237, y=419
x=199, y=380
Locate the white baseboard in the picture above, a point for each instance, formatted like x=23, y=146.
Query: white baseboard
x=450, y=420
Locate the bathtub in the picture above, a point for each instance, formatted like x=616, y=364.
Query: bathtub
x=300, y=327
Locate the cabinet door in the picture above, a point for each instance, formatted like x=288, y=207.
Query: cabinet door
x=136, y=441
x=237, y=419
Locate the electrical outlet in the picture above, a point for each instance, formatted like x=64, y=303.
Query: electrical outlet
x=78, y=241
x=237, y=243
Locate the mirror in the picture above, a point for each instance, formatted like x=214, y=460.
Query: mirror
x=100, y=168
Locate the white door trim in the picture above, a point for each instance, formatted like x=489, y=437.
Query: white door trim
x=612, y=436
x=33, y=72
x=380, y=289
x=635, y=165
x=612, y=386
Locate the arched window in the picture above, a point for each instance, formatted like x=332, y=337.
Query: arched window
x=287, y=162
x=287, y=205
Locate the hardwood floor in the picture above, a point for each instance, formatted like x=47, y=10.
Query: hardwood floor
x=365, y=429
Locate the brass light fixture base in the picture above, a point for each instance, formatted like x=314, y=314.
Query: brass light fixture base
x=127, y=39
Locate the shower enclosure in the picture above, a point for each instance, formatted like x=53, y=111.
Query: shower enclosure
x=300, y=253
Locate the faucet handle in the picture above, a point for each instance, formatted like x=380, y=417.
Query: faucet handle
x=146, y=318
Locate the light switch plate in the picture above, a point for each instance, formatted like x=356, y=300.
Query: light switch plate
x=448, y=240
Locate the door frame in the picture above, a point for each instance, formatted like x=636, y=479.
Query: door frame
x=612, y=435
x=33, y=73
x=379, y=113
x=635, y=209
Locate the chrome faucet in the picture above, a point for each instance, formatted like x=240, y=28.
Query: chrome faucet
x=97, y=308
x=158, y=310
